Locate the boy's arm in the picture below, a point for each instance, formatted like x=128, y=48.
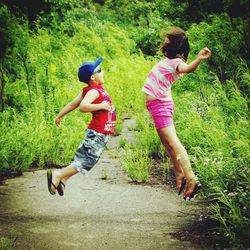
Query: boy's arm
x=188, y=68
x=68, y=108
x=87, y=106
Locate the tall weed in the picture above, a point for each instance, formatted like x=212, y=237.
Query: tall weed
x=136, y=163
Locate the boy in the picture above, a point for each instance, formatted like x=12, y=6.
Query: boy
x=96, y=100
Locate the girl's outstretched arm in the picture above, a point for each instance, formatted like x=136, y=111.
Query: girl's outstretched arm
x=188, y=68
x=68, y=108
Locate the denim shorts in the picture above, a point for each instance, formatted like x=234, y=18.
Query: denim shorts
x=89, y=151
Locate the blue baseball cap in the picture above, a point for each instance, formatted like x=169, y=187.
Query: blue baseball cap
x=87, y=69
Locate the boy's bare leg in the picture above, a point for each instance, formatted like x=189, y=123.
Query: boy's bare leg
x=62, y=175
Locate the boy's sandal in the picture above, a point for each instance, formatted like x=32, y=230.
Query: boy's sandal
x=50, y=183
x=60, y=188
x=182, y=186
x=190, y=195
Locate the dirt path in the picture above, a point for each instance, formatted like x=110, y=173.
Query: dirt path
x=95, y=213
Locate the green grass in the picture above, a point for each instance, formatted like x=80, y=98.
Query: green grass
x=136, y=163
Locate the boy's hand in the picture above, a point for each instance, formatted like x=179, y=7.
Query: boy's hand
x=204, y=54
x=105, y=105
x=58, y=121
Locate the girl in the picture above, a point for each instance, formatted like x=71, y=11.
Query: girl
x=159, y=102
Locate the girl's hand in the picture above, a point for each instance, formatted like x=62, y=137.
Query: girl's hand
x=58, y=121
x=204, y=53
x=105, y=105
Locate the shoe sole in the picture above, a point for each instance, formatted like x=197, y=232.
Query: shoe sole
x=49, y=181
x=60, y=188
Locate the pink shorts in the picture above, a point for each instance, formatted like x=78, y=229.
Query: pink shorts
x=161, y=112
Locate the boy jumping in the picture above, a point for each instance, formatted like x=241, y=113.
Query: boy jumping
x=96, y=100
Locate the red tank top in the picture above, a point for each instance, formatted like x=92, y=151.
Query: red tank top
x=103, y=121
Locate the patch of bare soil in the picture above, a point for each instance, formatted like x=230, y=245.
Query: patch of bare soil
x=201, y=232
x=9, y=175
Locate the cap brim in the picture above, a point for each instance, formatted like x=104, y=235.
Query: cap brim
x=98, y=61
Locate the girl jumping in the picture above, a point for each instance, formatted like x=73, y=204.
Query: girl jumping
x=159, y=102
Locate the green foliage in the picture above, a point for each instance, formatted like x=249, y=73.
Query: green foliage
x=231, y=208
x=149, y=38
x=243, y=79
x=8, y=243
x=136, y=163
x=147, y=136
x=5, y=244
x=218, y=34
x=122, y=142
x=145, y=20
x=47, y=80
x=38, y=72
x=30, y=140
x=8, y=34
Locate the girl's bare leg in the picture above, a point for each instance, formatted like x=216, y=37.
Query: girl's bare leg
x=179, y=156
x=179, y=174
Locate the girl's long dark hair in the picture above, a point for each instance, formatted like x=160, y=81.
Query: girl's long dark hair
x=175, y=44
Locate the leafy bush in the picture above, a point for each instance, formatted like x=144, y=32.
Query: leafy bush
x=225, y=42
x=39, y=76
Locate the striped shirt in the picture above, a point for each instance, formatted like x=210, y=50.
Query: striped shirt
x=161, y=77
